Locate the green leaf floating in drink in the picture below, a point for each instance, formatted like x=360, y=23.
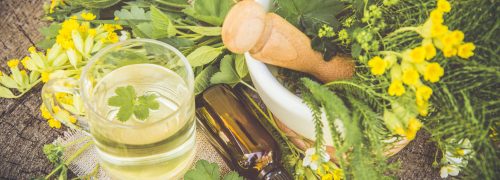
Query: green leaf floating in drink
x=128, y=102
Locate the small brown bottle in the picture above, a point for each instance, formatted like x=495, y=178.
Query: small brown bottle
x=238, y=135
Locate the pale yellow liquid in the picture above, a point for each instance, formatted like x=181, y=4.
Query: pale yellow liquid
x=160, y=147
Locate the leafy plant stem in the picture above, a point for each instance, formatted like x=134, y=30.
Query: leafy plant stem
x=70, y=159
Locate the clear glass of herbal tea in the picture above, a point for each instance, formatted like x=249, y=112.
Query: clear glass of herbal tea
x=139, y=106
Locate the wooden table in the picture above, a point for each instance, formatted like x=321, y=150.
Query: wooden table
x=23, y=132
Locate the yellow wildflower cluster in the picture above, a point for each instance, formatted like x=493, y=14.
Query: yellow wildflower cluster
x=416, y=63
x=402, y=122
x=330, y=171
x=60, y=112
x=77, y=40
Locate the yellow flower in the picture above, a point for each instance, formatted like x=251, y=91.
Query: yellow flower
x=410, y=76
x=417, y=55
x=436, y=16
x=466, y=50
x=45, y=112
x=25, y=61
x=413, y=126
x=338, y=174
x=433, y=71
x=1, y=73
x=438, y=30
x=112, y=37
x=377, y=65
x=54, y=123
x=423, y=94
x=88, y=16
x=45, y=77
x=32, y=49
x=400, y=131
x=72, y=119
x=327, y=177
x=449, y=51
x=24, y=73
x=92, y=32
x=443, y=5
x=452, y=38
x=423, y=108
x=13, y=63
x=430, y=51
x=396, y=88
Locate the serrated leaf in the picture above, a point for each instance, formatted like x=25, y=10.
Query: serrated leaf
x=203, y=170
x=203, y=55
x=6, y=93
x=125, y=113
x=50, y=31
x=210, y=11
x=232, y=176
x=206, y=31
x=149, y=101
x=135, y=13
x=241, y=66
x=162, y=25
x=202, y=80
x=227, y=74
x=141, y=112
x=128, y=102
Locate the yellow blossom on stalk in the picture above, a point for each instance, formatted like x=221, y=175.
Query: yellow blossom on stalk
x=466, y=50
x=377, y=65
x=92, y=32
x=436, y=16
x=45, y=77
x=25, y=61
x=438, y=30
x=54, y=123
x=45, y=112
x=449, y=51
x=396, y=88
x=410, y=76
x=430, y=51
x=452, y=38
x=72, y=119
x=112, y=37
x=423, y=94
x=433, y=72
x=13, y=63
x=423, y=109
x=413, y=126
x=88, y=16
x=32, y=49
x=443, y=5
x=418, y=54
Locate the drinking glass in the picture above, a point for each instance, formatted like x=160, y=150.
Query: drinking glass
x=155, y=141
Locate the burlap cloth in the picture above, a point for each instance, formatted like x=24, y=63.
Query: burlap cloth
x=85, y=163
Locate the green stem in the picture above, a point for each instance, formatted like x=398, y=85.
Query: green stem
x=403, y=29
x=391, y=53
x=248, y=85
x=70, y=159
x=28, y=88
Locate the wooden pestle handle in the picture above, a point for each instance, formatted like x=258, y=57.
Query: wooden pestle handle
x=273, y=40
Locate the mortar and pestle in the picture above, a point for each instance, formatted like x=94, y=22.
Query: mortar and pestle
x=270, y=39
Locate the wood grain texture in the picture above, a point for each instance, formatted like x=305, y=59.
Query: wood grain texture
x=23, y=132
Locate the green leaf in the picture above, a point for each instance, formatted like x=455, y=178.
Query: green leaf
x=241, y=66
x=128, y=102
x=135, y=13
x=144, y=30
x=203, y=170
x=50, y=31
x=8, y=82
x=45, y=44
x=202, y=80
x=210, y=11
x=206, y=31
x=203, y=55
x=232, y=176
x=162, y=25
x=355, y=50
x=6, y=93
x=227, y=74
x=310, y=12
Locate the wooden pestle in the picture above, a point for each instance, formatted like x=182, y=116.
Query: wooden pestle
x=272, y=40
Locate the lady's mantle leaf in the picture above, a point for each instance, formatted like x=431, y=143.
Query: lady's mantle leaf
x=227, y=72
x=210, y=11
x=203, y=55
x=203, y=170
x=202, y=80
x=128, y=102
x=162, y=25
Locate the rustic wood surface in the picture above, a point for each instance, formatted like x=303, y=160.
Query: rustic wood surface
x=23, y=132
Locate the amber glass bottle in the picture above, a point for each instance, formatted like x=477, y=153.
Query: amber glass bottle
x=238, y=135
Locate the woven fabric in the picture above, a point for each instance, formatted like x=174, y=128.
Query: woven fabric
x=87, y=161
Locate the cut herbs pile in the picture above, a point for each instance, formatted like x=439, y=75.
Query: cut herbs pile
x=430, y=66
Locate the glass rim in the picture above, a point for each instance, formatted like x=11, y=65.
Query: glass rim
x=85, y=94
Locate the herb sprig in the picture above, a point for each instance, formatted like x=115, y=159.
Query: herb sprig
x=128, y=102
